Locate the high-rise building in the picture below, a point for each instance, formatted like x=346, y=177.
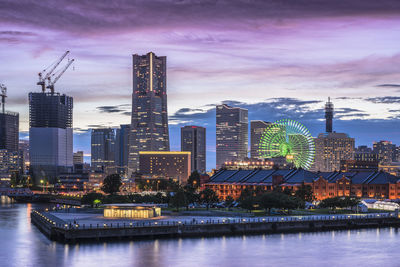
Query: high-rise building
x=9, y=130
x=193, y=139
x=9, y=165
x=328, y=115
x=78, y=157
x=385, y=151
x=122, y=147
x=24, y=155
x=173, y=165
x=257, y=129
x=103, y=150
x=50, y=135
x=330, y=149
x=149, y=122
x=232, y=134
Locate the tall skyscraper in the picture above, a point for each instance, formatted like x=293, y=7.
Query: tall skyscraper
x=122, y=147
x=193, y=139
x=330, y=149
x=103, y=149
x=50, y=135
x=328, y=115
x=257, y=129
x=149, y=124
x=232, y=134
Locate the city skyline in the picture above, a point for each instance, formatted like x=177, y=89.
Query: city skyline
x=259, y=59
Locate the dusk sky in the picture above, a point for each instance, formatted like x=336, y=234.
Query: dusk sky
x=279, y=59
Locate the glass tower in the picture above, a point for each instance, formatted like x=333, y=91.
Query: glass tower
x=149, y=121
x=193, y=139
x=50, y=135
x=103, y=149
x=232, y=134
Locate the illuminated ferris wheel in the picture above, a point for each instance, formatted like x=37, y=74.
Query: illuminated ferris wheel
x=289, y=139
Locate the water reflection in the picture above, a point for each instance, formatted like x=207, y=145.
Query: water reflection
x=23, y=245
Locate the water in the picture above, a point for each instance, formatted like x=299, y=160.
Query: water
x=21, y=244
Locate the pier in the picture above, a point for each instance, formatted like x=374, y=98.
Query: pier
x=62, y=230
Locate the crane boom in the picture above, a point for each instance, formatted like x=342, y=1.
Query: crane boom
x=51, y=83
x=3, y=95
x=43, y=76
x=55, y=66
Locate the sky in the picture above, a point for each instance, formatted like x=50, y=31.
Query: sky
x=279, y=59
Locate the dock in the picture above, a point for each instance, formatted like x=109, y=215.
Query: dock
x=63, y=231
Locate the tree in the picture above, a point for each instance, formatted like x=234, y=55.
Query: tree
x=92, y=199
x=288, y=191
x=331, y=203
x=229, y=201
x=270, y=200
x=179, y=199
x=111, y=184
x=279, y=200
x=208, y=196
x=350, y=202
x=191, y=196
x=248, y=203
x=305, y=193
x=194, y=179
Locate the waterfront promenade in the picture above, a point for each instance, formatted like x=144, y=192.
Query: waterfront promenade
x=70, y=227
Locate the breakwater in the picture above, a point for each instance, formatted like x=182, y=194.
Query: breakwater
x=57, y=229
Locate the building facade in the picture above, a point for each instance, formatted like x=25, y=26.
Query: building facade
x=103, y=150
x=231, y=134
x=122, y=147
x=193, y=139
x=257, y=129
x=9, y=166
x=149, y=121
x=50, y=135
x=368, y=184
x=24, y=155
x=173, y=165
x=9, y=130
x=364, y=153
x=330, y=149
x=385, y=151
x=78, y=157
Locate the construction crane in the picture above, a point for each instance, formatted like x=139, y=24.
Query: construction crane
x=3, y=95
x=52, y=82
x=43, y=75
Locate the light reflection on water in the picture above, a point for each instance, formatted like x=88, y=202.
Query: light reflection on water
x=21, y=244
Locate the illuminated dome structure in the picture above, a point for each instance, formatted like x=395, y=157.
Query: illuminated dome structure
x=289, y=139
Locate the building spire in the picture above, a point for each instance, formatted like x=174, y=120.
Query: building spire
x=329, y=115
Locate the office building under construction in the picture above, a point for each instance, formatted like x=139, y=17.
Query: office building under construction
x=50, y=129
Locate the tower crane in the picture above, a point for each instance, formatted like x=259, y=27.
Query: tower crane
x=52, y=82
x=3, y=94
x=43, y=75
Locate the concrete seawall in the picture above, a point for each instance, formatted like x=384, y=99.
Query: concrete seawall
x=56, y=229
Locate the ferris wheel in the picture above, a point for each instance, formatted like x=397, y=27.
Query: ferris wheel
x=290, y=139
